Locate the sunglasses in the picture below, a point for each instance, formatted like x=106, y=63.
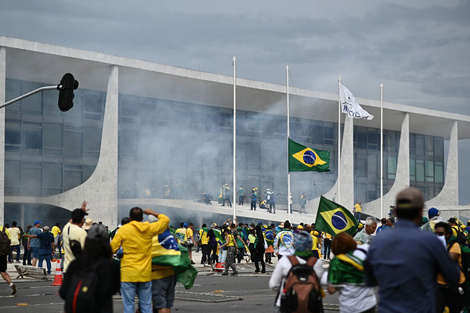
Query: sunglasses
x=440, y=233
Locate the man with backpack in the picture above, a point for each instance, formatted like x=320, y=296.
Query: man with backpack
x=73, y=237
x=5, y=250
x=297, y=278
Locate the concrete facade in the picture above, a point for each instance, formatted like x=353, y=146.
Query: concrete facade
x=117, y=75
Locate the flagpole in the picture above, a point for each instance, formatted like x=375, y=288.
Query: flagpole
x=381, y=151
x=234, y=188
x=288, y=135
x=338, y=199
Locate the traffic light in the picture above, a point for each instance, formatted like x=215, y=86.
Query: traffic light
x=66, y=87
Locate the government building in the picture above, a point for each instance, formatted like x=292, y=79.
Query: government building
x=142, y=133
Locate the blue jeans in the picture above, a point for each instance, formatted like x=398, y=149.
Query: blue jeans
x=17, y=249
x=46, y=257
x=144, y=293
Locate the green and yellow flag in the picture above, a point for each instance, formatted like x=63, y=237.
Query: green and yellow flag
x=333, y=218
x=302, y=158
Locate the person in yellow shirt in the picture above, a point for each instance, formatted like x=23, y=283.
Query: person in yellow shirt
x=357, y=211
x=231, y=252
x=135, y=238
x=190, y=240
x=450, y=295
x=204, y=238
x=3, y=264
x=57, y=242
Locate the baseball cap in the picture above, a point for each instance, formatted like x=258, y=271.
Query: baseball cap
x=185, y=225
x=37, y=222
x=433, y=212
x=410, y=198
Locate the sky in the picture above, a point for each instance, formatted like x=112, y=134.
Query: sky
x=419, y=50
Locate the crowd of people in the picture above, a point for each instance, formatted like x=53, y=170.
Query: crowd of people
x=415, y=262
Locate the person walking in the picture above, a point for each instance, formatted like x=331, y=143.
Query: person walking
x=4, y=256
x=406, y=275
x=231, y=252
x=135, y=238
x=73, y=236
x=260, y=248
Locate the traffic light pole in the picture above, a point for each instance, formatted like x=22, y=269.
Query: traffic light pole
x=30, y=94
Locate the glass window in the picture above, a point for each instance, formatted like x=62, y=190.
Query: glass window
x=92, y=139
x=412, y=169
x=429, y=170
x=32, y=103
x=328, y=132
x=361, y=140
x=439, y=147
x=439, y=169
x=420, y=170
x=317, y=134
x=31, y=181
x=53, y=135
x=147, y=114
x=52, y=175
x=72, y=179
x=211, y=122
x=392, y=167
x=93, y=102
x=12, y=173
x=361, y=167
x=73, y=145
x=32, y=140
x=419, y=145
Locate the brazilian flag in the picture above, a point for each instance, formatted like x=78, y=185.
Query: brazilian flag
x=333, y=218
x=302, y=158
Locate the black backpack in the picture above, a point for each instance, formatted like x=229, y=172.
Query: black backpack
x=5, y=242
x=465, y=259
x=301, y=291
x=461, y=238
x=83, y=290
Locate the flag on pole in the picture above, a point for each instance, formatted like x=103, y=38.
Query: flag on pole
x=302, y=158
x=333, y=218
x=350, y=106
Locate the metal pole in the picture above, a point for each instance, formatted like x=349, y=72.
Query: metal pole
x=381, y=151
x=30, y=94
x=234, y=138
x=288, y=135
x=338, y=198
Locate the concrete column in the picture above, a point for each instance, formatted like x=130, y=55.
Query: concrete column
x=449, y=194
x=402, y=177
x=100, y=190
x=347, y=172
x=3, y=76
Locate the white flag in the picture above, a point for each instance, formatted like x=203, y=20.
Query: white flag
x=350, y=106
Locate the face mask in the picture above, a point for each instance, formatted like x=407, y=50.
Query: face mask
x=443, y=240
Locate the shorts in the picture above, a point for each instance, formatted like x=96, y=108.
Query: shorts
x=3, y=263
x=163, y=292
x=35, y=252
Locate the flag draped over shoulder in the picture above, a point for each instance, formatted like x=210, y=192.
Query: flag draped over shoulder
x=167, y=252
x=302, y=158
x=333, y=218
x=346, y=269
x=350, y=106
